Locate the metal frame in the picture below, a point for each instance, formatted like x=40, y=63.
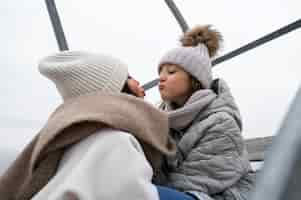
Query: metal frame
x=281, y=174
x=62, y=43
x=57, y=25
x=177, y=14
x=269, y=37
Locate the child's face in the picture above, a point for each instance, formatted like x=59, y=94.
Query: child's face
x=175, y=84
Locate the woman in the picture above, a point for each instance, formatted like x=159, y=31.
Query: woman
x=99, y=144
x=211, y=161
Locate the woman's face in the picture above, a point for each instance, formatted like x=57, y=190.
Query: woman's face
x=175, y=84
x=135, y=88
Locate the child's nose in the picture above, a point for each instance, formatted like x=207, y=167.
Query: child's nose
x=162, y=77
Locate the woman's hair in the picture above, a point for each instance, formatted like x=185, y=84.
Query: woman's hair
x=126, y=89
x=206, y=35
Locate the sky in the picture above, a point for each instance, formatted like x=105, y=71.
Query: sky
x=263, y=81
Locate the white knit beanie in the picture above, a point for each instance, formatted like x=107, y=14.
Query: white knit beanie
x=78, y=73
x=194, y=60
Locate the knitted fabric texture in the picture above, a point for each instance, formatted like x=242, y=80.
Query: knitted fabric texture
x=77, y=73
x=71, y=123
x=194, y=60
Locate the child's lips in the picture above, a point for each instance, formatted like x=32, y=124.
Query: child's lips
x=161, y=87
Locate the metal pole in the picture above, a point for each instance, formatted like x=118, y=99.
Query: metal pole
x=57, y=26
x=282, y=31
x=150, y=84
x=281, y=175
x=183, y=24
x=177, y=14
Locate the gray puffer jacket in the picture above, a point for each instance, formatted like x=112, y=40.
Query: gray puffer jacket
x=212, y=158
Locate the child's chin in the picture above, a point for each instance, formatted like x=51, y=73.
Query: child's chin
x=164, y=98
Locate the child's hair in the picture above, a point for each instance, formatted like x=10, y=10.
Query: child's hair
x=211, y=38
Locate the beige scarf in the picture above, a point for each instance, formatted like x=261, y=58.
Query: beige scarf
x=75, y=120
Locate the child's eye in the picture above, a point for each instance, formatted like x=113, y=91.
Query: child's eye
x=171, y=71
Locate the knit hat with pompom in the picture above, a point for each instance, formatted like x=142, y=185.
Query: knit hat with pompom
x=199, y=45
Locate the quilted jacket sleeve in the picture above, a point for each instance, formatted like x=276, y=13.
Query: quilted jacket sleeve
x=216, y=161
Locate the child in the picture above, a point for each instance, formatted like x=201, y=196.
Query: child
x=211, y=161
